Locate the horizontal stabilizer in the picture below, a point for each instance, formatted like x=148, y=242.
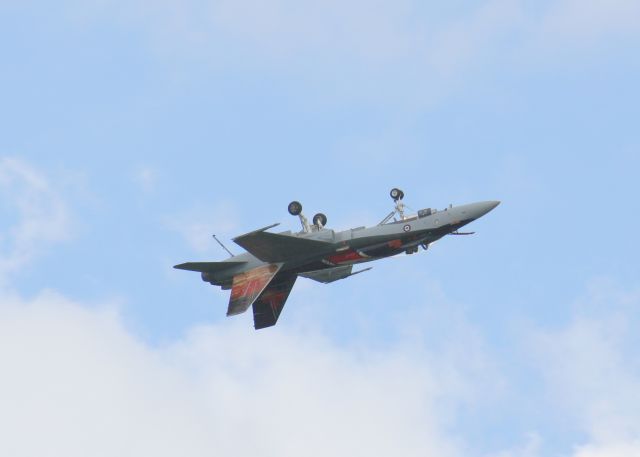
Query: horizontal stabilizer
x=274, y=247
x=208, y=267
x=331, y=274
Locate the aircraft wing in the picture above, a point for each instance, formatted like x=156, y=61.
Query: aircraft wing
x=268, y=306
x=274, y=247
x=332, y=274
x=248, y=286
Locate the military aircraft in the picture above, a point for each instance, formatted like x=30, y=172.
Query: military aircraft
x=265, y=274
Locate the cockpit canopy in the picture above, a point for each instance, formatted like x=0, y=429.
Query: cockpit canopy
x=422, y=213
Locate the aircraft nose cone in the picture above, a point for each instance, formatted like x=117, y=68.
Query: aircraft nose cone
x=485, y=207
x=491, y=205
x=477, y=210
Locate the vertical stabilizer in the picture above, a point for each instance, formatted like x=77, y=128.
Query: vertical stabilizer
x=268, y=306
x=248, y=286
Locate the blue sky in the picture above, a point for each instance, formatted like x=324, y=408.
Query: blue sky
x=132, y=131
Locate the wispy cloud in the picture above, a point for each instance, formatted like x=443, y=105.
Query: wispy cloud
x=531, y=448
x=40, y=215
x=377, y=49
x=146, y=178
x=583, y=22
x=482, y=33
x=629, y=449
x=198, y=223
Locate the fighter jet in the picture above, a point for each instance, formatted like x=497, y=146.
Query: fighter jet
x=264, y=276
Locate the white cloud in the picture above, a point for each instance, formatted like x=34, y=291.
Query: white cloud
x=75, y=382
x=42, y=216
x=592, y=371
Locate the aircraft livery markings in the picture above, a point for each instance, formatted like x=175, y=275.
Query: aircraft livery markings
x=343, y=257
x=394, y=244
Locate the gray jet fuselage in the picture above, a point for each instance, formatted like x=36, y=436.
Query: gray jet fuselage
x=263, y=277
x=362, y=244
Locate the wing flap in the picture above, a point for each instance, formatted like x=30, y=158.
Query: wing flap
x=248, y=286
x=273, y=247
x=269, y=305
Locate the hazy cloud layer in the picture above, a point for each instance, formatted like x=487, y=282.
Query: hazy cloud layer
x=372, y=42
x=583, y=22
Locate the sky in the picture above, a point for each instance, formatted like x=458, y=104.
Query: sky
x=130, y=132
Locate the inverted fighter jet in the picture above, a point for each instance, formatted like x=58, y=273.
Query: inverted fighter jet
x=264, y=276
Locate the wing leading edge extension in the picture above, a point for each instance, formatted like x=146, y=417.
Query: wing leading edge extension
x=274, y=247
